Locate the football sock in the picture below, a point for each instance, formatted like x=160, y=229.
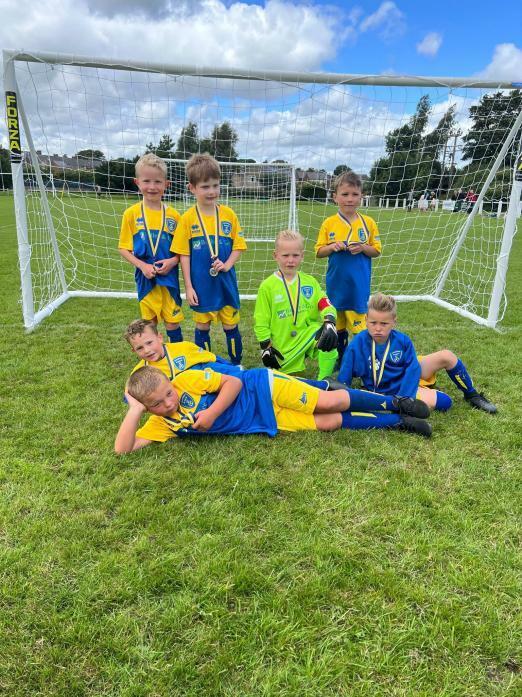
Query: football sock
x=443, y=402
x=202, y=338
x=359, y=422
x=342, y=336
x=326, y=361
x=175, y=335
x=460, y=376
x=234, y=345
x=370, y=401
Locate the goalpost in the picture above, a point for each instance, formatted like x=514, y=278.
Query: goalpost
x=77, y=124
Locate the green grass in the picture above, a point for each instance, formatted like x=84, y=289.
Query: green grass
x=365, y=564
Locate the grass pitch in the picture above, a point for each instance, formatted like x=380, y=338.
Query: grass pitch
x=365, y=564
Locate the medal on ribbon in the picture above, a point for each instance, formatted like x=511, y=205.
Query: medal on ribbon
x=214, y=249
x=294, y=308
x=153, y=247
x=377, y=378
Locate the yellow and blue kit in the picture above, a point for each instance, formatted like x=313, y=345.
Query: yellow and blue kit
x=394, y=370
x=348, y=276
x=140, y=237
x=214, y=292
x=268, y=402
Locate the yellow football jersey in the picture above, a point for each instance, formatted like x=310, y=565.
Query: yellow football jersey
x=179, y=356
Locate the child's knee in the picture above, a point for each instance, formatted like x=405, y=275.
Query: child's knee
x=448, y=358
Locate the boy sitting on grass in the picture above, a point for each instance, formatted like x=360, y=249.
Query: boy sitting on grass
x=385, y=360
x=293, y=317
x=199, y=402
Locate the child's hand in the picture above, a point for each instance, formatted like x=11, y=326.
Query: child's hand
x=204, y=420
x=192, y=298
x=220, y=265
x=163, y=266
x=133, y=403
x=338, y=247
x=148, y=270
x=355, y=247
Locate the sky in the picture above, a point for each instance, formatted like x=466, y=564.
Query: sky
x=443, y=38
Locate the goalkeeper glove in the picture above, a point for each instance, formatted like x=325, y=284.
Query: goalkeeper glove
x=327, y=335
x=269, y=355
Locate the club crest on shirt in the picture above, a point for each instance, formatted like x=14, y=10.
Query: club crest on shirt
x=171, y=224
x=186, y=401
x=226, y=227
x=396, y=356
x=362, y=235
x=307, y=291
x=180, y=362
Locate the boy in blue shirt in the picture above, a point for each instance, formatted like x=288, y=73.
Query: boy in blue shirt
x=146, y=235
x=197, y=402
x=386, y=362
x=209, y=240
x=350, y=240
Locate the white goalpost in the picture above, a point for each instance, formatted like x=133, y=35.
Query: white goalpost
x=76, y=126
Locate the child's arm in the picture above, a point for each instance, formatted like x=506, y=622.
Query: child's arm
x=192, y=298
x=229, y=389
x=148, y=270
x=229, y=263
x=346, y=373
x=367, y=249
x=126, y=441
x=164, y=266
x=328, y=249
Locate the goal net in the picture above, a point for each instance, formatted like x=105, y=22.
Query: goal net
x=437, y=156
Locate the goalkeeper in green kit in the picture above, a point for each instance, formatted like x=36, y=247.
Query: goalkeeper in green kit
x=294, y=319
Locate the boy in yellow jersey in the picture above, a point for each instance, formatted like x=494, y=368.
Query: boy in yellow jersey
x=146, y=234
x=199, y=402
x=293, y=317
x=350, y=240
x=209, y=240
x=171, y=358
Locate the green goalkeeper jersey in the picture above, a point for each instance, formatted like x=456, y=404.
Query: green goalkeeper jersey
x=290, y=314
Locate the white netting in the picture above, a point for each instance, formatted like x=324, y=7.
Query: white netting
x=415, y=147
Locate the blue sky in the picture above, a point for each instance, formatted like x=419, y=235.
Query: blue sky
x=370, y=37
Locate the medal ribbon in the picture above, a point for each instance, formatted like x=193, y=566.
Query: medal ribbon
x=377, y=379
x=213, y=252
x=295, y=309
x=154, y=247
x=345, y=220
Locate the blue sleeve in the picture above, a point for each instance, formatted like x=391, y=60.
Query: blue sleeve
x=347, y=366
x=412, y=372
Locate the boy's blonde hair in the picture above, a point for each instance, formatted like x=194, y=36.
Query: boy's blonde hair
x=201, y=168
x=349, y=178
x=138, y=326
x=151, y=160
x=144, y=381
x=289, y=236
x=382, y=303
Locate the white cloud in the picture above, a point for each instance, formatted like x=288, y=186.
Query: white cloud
x=505, y=65
x=430, y=44
x=388, y=20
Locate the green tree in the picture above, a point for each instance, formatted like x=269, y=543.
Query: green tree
x=188, y=141
x=165, y=147
x=222, y=143
x=90, y=154
x=340, y=169
x=492, y=119
x=116, y=175
x=6, y=180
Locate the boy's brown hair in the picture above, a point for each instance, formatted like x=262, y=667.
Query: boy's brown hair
x=201, y=168
x=349, y=178
x=144, y=381
x=150, y=160
x=137, y=327
x=382, y=303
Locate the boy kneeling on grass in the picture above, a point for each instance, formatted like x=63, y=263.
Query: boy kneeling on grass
x=262, y=401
